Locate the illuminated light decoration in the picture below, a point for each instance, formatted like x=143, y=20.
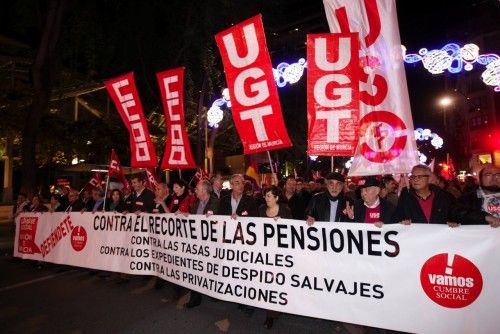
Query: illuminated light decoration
x=348, y=163
x=454, y=59
x=422, y=157
x=286, y=73
x=426, y=134
x=313, y=157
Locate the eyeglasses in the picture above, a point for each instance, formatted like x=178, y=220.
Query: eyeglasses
x=496, y=175
x=418, y=177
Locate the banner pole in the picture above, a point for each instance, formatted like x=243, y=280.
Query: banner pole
x=332, y=164
x=105, y=193
x=180, y=174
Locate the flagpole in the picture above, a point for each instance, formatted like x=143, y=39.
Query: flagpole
x=331, y=168
x=105, y=192
x=180, y=174
x=274, y=177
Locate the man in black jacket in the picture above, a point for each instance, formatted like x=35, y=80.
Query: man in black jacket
x=237, y=203
x=142, y=199
x=205, y=204
x=328, y=205
x=425, y=203
x=482, y=206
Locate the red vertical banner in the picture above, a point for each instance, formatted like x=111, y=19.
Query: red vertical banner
x=124, y=94
x=177, y=149
x=332, y=93
x=256, y=107
x=27, y=232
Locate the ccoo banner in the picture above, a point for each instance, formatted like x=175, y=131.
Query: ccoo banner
x=249, y=73
x=177, y=149
x=386, y=139
x=124, y=94
x=418, y=278
x=332, y=93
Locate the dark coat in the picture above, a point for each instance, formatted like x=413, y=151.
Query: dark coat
x=319, y=208
x=470, y=209
x=247, y=204
x=386, y=211
x=283, y=211
x=212, y=205
x=144, y=203
x=76, y=206
x=443, y=207
x=297, y=204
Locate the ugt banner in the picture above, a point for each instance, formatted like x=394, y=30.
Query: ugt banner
x=332, y=93
x=124, y=94
x=249, y=73
x=386, y=138
x=177, y=149
x=417, y=278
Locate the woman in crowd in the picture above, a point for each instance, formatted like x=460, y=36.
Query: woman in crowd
x=55, y=203
x=273, y=209
x=36, y=205
x=182, y=200
x=115, y=204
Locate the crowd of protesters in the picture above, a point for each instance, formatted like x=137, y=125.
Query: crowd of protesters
x=421, y=198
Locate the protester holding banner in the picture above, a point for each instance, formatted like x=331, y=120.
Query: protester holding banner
x=273, y=209
x=74, y=202
x=205, y=204
x=55, y=204
x=328, y=205
x=423, y=202
x=22, y=204
x=182, y=200
x=142, y=199
x=98, y=199
x=371, y=209
x=162, y=198
x=482, y=206
x=237, y=203
x=36, y=205
x=115, y=204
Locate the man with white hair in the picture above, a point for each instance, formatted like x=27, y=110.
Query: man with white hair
x=237, y=203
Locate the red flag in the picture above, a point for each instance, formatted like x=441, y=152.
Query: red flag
x=332, y=93
x=255, y=103
x=115, y=170
x=448, y=169
x=177, y=149
x=126, y=99
x=201, y=174
x=316, y=175
x=151, y=180
x=94, y=182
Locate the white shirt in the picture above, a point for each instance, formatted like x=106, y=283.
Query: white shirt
x=333, y=210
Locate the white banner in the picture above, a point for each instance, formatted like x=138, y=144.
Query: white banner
x=386, y=138
x=418, y=278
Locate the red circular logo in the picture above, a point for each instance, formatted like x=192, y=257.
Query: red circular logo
x=78, y=238
x=384, y=128
x=451, y=280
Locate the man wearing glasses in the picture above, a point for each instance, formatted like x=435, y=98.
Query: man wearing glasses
x=483, y=205
x=423, y=202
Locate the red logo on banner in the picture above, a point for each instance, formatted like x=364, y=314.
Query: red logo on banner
x=255, y=103
x=177, y=149
x=126, y=99
x=379, y=129
x=451, y=280
x=27, y=232
x=332, y=93
x=78, y=238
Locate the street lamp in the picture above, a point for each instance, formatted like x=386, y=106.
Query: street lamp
x=444, y=102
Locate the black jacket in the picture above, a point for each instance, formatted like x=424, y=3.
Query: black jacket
x=443, y=207
x=247, y=204
x=75, y=206
x=386, y=211
x=144, y=203
x=212, y=205
x=297, y=204
x=283, y=211
x=119, y=208
x=319, y=208
x=470, y=209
